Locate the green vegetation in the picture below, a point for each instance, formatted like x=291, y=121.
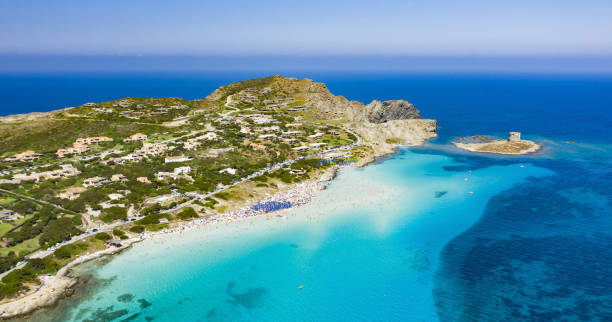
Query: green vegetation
x=187, y=213
x=103, y=236
x=70, y=250
x=119, y=233
x=54, y=206
x=393, y=141
x=137, y=229
x=113, y=213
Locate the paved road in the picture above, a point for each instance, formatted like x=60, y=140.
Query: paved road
x=107, y=228
x=38, y=201
x=265, y=170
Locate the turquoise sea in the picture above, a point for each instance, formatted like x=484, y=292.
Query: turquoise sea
x=402, y=239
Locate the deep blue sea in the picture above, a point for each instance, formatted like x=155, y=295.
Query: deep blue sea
x=402, y=239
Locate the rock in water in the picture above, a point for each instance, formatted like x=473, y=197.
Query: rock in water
x=381, y=112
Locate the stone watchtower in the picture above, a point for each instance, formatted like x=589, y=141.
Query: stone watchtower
x=514, y=136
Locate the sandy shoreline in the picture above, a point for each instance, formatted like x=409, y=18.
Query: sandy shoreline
x=59, y=286
x=54, y=287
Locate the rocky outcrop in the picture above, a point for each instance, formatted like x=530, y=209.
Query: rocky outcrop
x=381, y=112
x=382, y=124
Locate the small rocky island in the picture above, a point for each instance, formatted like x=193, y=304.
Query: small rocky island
x=513, y=145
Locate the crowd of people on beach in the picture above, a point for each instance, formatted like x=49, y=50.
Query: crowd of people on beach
x=298, y=195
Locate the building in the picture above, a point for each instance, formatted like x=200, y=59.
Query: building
x=71, y=193
x=92, y=140
x=317, y=145
x=77, y=148
x=182, y=170
x=115, y=196
x=191, y=145
x=228, y=170
x=302, y=148
x=210, y=136
x=514, y=136
x=67, y=170
x=267, y=137
x=178, y=158
x=138, y=137
x=94, y=182
x=162, y=175
x=24, y=156
x=8, y=215
x=293, y=124
x=143, y=180
x=296, y=109
x=315, y=136
x=152, y=149
x=292, y=133
x=89, y=104
x=118, y=178
x=256, y=146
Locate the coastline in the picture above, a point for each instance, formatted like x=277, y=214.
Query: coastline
x=60, y=286
x=55, y=287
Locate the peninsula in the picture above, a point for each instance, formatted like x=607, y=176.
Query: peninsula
x=513, y=145
x=90, y=180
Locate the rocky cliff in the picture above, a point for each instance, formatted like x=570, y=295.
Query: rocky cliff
x=381, y=112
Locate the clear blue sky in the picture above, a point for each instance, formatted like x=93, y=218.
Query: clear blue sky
x=314, y=27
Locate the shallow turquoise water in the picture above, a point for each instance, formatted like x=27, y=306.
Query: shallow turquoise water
x=366, y=249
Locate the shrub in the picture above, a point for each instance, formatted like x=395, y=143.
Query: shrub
x=137, y=229
x=103, y=236
x=119, y=233
x=187, y=213
x=113, y=213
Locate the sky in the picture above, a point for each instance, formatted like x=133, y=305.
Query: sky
x=314, y=28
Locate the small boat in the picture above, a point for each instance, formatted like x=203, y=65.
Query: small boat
x=301, y=287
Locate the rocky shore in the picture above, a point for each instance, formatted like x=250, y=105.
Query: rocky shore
x=54, y=287
x=512, y=146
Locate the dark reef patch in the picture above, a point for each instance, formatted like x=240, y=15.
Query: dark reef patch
x=144, y=303
x=540, y=252
x=125, y=298
x=131, y=317
x=105, y=314
x=251, y=298
x=440, y=194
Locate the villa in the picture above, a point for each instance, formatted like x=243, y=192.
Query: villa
x=315, y=136
x=136, y=138
x=178, y=158
x=143, y=180
x=256, y=146
x=94, y=182
x=71, y=193
x=267, y=137
x=9, y=215
x=92, y=140
x=25, y=156
x=118, y=178
x=77, y=148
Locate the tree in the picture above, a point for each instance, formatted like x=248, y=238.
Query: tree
x=187, y=213
x=103, y=236
x=113, y=213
